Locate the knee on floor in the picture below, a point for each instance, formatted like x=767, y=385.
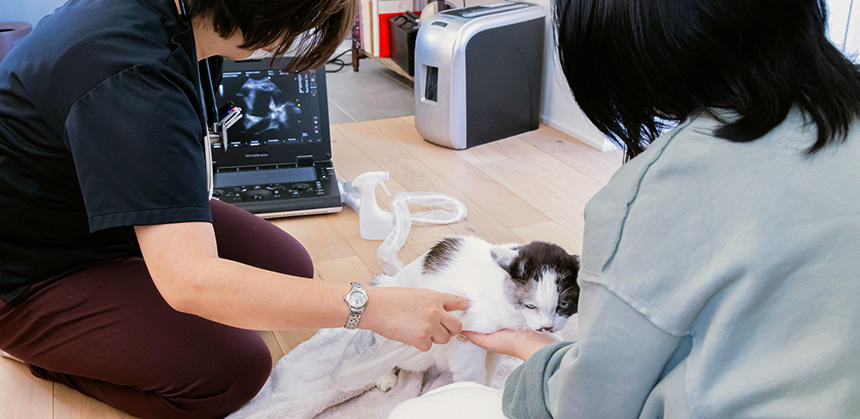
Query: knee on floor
x=227, y=381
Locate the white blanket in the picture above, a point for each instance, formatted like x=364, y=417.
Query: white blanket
x=301, y=387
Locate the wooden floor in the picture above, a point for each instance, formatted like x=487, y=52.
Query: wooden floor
x=529, y=187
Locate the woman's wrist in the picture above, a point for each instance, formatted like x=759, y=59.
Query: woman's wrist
x=532, y=343
x=371, y=309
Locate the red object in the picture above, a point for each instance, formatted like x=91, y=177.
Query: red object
x=384, y=47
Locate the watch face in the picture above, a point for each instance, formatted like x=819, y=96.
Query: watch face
x=357, y=299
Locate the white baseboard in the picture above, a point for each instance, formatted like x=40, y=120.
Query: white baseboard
x=599, y=142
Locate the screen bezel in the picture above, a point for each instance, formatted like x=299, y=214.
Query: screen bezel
x=278, y=154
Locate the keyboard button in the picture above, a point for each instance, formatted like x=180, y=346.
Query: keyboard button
x=257, y=194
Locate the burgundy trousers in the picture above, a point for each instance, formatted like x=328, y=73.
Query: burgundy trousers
x=105, y=331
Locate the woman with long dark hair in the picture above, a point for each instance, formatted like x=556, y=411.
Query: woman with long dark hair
x=720, y=271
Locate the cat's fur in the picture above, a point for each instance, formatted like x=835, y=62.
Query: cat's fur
x=509, y=286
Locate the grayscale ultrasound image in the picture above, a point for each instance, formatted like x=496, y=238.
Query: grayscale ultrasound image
x=265, y=107
x=279, y=108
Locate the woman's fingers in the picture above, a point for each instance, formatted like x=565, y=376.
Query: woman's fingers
x=493, y=341
x=423, y=345
x=452, y=324
x=417, y=317
x=451, y=302
x=441, y=336
x=519, y=343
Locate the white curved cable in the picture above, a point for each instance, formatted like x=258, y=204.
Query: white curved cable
x=445, y=210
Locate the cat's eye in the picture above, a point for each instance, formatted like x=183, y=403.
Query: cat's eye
x=530, y=306
x=563, y=305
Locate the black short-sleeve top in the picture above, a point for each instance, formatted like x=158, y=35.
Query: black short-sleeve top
x=99, y=131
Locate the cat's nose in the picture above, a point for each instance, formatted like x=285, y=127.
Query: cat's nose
x=545, y=329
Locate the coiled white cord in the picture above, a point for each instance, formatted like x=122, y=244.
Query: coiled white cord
x=445, y=210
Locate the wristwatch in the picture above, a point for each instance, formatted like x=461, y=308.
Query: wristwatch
x=356, y=299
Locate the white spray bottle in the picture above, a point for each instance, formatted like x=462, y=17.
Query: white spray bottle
x=374, y=223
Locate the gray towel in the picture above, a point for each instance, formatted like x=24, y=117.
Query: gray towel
x=301, y=387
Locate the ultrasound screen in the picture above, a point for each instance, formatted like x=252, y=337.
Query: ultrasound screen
x=278, y=107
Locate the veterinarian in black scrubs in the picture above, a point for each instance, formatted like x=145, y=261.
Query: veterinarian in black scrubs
x=118, y=277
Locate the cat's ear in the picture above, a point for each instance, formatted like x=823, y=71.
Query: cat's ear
x=505, y=254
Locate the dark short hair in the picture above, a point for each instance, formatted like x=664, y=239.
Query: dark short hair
x=318, y=26
x=633, y=64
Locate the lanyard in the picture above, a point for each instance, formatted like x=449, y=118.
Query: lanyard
x=216, y=131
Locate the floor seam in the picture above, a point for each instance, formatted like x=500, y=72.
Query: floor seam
x=340, y=108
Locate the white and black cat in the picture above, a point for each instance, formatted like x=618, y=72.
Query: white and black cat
x=509, y=286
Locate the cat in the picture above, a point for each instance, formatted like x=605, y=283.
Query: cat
x=509, y=286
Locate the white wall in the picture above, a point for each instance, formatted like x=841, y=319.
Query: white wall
x=29, y=11
x=559, y=110
x=844, y=26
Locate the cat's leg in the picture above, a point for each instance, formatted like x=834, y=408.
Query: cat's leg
x=388, y=381
x=467, y=362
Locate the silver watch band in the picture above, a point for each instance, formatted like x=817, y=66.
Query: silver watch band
x=352, y=320
x=355, y=311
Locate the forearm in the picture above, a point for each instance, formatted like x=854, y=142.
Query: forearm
x=243, y=296
x=183, y=262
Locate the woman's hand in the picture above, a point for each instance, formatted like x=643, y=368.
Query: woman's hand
x=416, y=317
x=519, y=343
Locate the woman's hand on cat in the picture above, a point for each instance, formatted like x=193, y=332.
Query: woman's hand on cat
x=416, y=317
x=519, y=343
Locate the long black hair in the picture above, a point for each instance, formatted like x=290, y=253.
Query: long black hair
x=633, y=64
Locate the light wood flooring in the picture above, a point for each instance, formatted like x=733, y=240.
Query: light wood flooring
x=529, y=187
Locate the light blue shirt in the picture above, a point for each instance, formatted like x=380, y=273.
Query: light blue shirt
x=718, y=280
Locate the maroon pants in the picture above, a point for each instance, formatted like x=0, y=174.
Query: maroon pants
x=105, y=331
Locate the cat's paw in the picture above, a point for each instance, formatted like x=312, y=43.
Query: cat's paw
x=387, y=382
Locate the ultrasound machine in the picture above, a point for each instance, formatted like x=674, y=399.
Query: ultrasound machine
x=276, y=160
